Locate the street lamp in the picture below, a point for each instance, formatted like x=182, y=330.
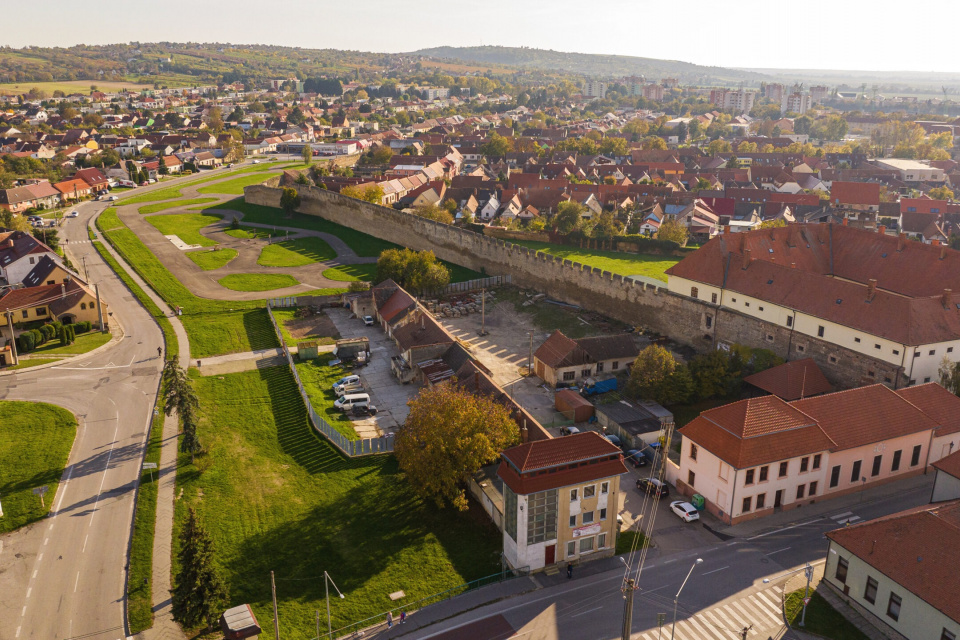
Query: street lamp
x=327, y=581
x=677, y=597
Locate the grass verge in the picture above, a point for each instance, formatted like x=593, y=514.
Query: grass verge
x=257, y=281
x=35, y=443
x=625, y=541
x=162, y=206
x=109, y=220
x=249, y=233
x=235, y=187
x=275, y=496
x=296, y=253
x=821, y=619
x=318, y=377
x=210, y=260
x=186, y=226
x=215, y=334
x=625, y=264
x=32, y=362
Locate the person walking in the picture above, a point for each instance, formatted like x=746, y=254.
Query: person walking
x=569, y=571
x=403, y=616
x=159, y=352
x=389, y=619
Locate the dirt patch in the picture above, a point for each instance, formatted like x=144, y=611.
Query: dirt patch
x=318, y=325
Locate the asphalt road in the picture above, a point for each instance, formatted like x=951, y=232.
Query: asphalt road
x=64, y=576
x=736, y=586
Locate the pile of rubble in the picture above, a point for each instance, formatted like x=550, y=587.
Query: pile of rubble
x=457, y=306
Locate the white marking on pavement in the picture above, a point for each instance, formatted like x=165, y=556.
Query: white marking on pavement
x=587, y=611
x=29, y=589
x=34, y=574
x=715, y=570
x=669, y=561
x=106, y=467
x=18, y=632
x=23, y=612
x=770, y=533
x=84, y=543
x=76, y=582
x=39, y=557
x=45, y=541
x=779, y=550
x=841, y=515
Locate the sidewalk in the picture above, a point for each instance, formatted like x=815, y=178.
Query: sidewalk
x=237, y=362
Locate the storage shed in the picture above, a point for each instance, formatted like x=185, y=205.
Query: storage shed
x=572, y=405
x=239, y=622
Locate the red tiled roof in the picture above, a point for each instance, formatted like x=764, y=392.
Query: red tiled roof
x=560, y=351
x=922, y=205
x=399, y=301
x=855, y=193
x=939, y=404
x=421, y=332
x=916, y=548
x=949, y=464
x=559, y=462
x=792, y=380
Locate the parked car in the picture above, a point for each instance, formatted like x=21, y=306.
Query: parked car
x=615, y=440
x=347, y=389
x=34, y=218
x=635, y=457
x=368, y=320
x=653, y=486
x=364, y=410
x=72, y=214
x=568, y=431
x=686, y=511
x=256, y=162
x=112, y=198
x=346, y=380
x=348, y=402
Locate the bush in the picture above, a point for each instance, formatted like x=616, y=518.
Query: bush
x=38, y=337
x=82, y=327
x=48, y=332
x=26, y=342
x=56, y=324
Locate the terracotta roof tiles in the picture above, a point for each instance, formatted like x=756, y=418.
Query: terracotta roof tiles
x=792, y=380
x=937, y=403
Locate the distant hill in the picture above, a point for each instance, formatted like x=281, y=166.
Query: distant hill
x=601, y=66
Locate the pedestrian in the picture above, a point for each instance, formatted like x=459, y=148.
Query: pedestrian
x=403, y=616
x=159, y=351
x=389, y=619
x=569, y=570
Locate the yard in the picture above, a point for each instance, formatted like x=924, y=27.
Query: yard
x=821, y=619
x=214, y=334
x=625, y=264
x=85, y=342
x=210, y=260
x=35, y=442
x=276, y=497
x=162, y=206
x=317, y=326
x=257, y=281
x=186, y=226
x=236, y=185
x=368, y=272
x=296, y=253
x=318, y=378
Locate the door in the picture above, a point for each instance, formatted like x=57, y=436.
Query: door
x=549, y=555
x=778, y=499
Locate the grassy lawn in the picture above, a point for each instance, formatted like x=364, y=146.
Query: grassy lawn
x=821, y=618
x=229, y=332
x=140, y=578
x=161, y=206
x=175, y=191
x=626, y=539
x=32, y=362
x=275, y=496
x=361, y=244
x=296, y=253
x=368, y=272
x=35, y=443
x=257, y=281
x=626, y=264
x=209, y=260
x=235, y=187
x=249, y=233
x=85, y=342
x=186, y=226
x=318, y=378
x=109, y=220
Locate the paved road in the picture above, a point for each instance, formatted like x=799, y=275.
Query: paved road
x=737, y=585
x=64, y=576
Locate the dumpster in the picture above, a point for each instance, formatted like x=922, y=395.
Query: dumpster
x=697, y=501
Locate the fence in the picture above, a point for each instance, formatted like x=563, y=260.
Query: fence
x=476, y=285
x=375, y=623
x=350, y=448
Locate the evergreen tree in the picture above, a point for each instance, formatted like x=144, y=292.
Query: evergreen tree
x=199, y=593
x=162, y=166
x=179, y=396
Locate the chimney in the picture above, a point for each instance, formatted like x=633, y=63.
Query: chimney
x=793, y=265
x=63, y=290
x=945, y=296
x=747, y=258
x=943, y=251
x=524, y=432
x=900, y=240
x=871, y=288
x=726, y=229
x=882, y=230
x=935, y=243
x=845, y=221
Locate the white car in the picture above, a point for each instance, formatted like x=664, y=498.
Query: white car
x=368, y=320
x=256, y=162
x=72, y=214
x=113, y=198
x=686, y=511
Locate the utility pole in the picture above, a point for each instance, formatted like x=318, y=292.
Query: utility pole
x=627, y=609
x=13, y=343
x=85, y=276
x=808, y=570
x=276, y=619
x=318, y=624
x=483, y=312
x=96, y=289
x=530, y=355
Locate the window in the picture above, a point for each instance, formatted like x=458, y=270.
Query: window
x=615, y=365
x=601, y=541
x=761, y=501
x=927, y=379
x=800, y=489
x=749, y=479
x=510, y=512
x=876, y=346
x=24, y=313
x=761, y=308
x=568, y=376
x=764, y=471
x=693, y=292
x=870, y=592
x=932, y=352
x=789, y=321
x=691, y=476
x=599, y=367
x=896, y=460
x=573, y=521
x=571, y=548
x=916, y=354
x=586, y=545
x=855, y=472
x=573, y=494
x=709, y=320
x=713, y=298
x=833, y=359
x=842, y=565
x=857, y=340
x=33, y=260
x=589, y=492
x=41, y=311
x=804, y=463
x=877, y=461
x=896, y=352
x=734, y=299
x=801, y=348
x=603, y=514
x=746, y=304
x=693, y=451
x=604, y=487
x=783, y=470
x=915, y=457
x=813, y=489
x=747, y=503
x=946, y=635
x=83, y=305
x=893, y=606
x=542, y=516
x=587, y=517
x=585, y=373
x=816, y=460
x=820, y=331
x=835, y=476
x=949, y=349
x=769, y=337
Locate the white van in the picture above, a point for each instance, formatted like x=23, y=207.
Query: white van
x=347, y=389
x=346, y=380
x=348, y=402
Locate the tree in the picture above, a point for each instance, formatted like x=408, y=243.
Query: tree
x=613, y=146
x=49, y=237
x=433, y=212
x=681, y=132
x=569, y=217
x=605, y=226
x=497, y=146
x=950, y=375
x=13, y=221
x=302, y=179
x=673, y=231
x=941, y=193
x=215, y=119
x=654, y=142
x=179, y=396
x=200, y=592
x=162, y=166
x=289, y=201
x=650, y=372
x=718, y=146
x=773, y=224
x=416, y=270
x=371, y=193
x=307, y=154
x=449, y=434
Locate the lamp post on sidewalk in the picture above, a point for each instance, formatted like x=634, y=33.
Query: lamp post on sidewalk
x=327, y=581
x=676, y=598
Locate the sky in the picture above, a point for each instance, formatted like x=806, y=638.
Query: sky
x=843, y=34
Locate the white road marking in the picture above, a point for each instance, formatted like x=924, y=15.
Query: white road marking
x=106, y=467
x=29, y=590
x=715, y=570
x=770, y=533
x=34, y=574
x=76, y=582
x=45, y=541
x=23, y=611
x=586, y=612
x=779, y=550
x=18, y=632
x=84, y=543
x=39, y=557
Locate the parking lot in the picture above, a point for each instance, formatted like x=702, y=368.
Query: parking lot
x=386, y=393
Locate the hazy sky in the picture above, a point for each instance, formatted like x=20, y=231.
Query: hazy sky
x=843, y=34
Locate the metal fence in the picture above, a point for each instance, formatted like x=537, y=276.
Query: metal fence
x=378, y=622
x=476, y=285
x=350, y=448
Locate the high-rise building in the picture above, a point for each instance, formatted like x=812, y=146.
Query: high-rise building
x=819, y=93
x=739, y=100
x=796, y=102
x=774, y=91
x=653, y=92
x=594, y=89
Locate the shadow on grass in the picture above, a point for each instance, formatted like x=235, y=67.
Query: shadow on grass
x=259, y=330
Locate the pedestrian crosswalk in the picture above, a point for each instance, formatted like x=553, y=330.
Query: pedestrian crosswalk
x=845, y=518
x=762, y=610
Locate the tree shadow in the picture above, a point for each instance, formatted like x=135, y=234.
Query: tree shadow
x=259, y=330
